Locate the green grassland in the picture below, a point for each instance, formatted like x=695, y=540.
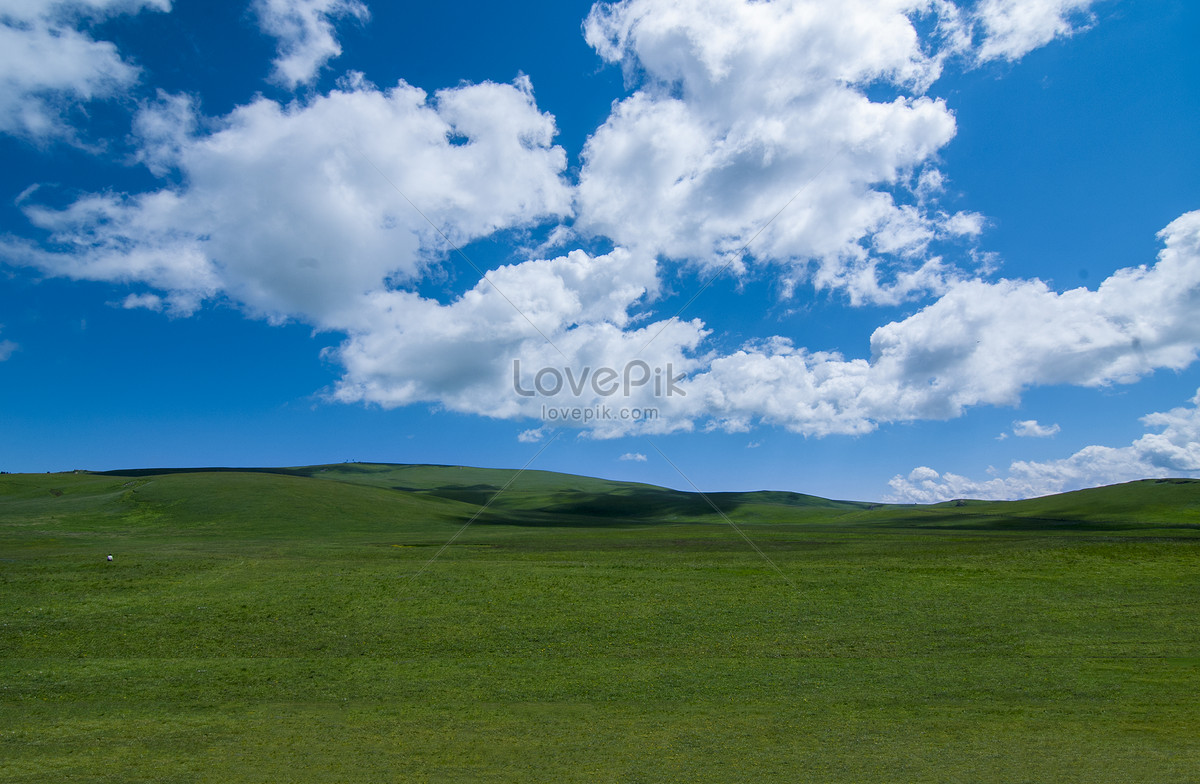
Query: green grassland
x=311, y=624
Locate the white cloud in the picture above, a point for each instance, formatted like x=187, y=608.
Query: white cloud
x=930, y=183
x=304, y=29
x=323, y=242
x=980, y=344
x=636, y=457
x=47, y=64
x=985, y=342
x=147, y=301
x=742, y=106
x=165, y=127
x=1010, y=29
x=299, y=211
x=405, y=349
x=7, y=347
x=1030, y=428
x=744, y=109
x=291, y=210
x=1173, y=451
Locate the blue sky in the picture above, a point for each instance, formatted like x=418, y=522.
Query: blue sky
x=892, y=249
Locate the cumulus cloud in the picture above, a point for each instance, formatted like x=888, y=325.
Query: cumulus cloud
x=286, y=249
x=7, y=347
x=1172, y=451
x=636, y=457
x=304, y=29
x=47, y=64
x=1010, y=29
x=981, y=343
x=985, y=342
x=300, y=210
x=561, y=325
x=1030, y=428
x=745, y=107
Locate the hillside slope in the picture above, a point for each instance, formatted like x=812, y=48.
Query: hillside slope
x=375, y=496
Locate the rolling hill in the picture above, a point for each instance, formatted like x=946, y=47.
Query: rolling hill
x=344, y=623
x=357, y=490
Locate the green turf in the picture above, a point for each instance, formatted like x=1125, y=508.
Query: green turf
x=295, y=625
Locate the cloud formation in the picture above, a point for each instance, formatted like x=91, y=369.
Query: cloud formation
x=1031, y=428
x=334, y=208
x=301, y=210
x=981, y=343
x=1010, y=29
x=48, y=65
x=565, y=315
x=305, y=34
x=1173, y=451
x=745, y=111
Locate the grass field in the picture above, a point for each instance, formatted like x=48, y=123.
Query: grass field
x=311, y=624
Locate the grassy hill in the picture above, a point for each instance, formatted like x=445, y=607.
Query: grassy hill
x=339, y=623
x=530, y=497
x=549, y=498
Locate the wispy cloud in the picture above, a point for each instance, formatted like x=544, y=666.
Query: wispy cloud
x=1030, y=428
x=1010, y=29
x=305, y=34
x=51, y=63
x=1172, y=451
x=147, y=301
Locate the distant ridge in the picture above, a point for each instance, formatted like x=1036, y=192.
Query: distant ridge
x=546, y=498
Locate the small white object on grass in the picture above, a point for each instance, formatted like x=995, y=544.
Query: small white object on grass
x=110, y=557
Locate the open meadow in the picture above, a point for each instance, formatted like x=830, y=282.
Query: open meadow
x=313, y=625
